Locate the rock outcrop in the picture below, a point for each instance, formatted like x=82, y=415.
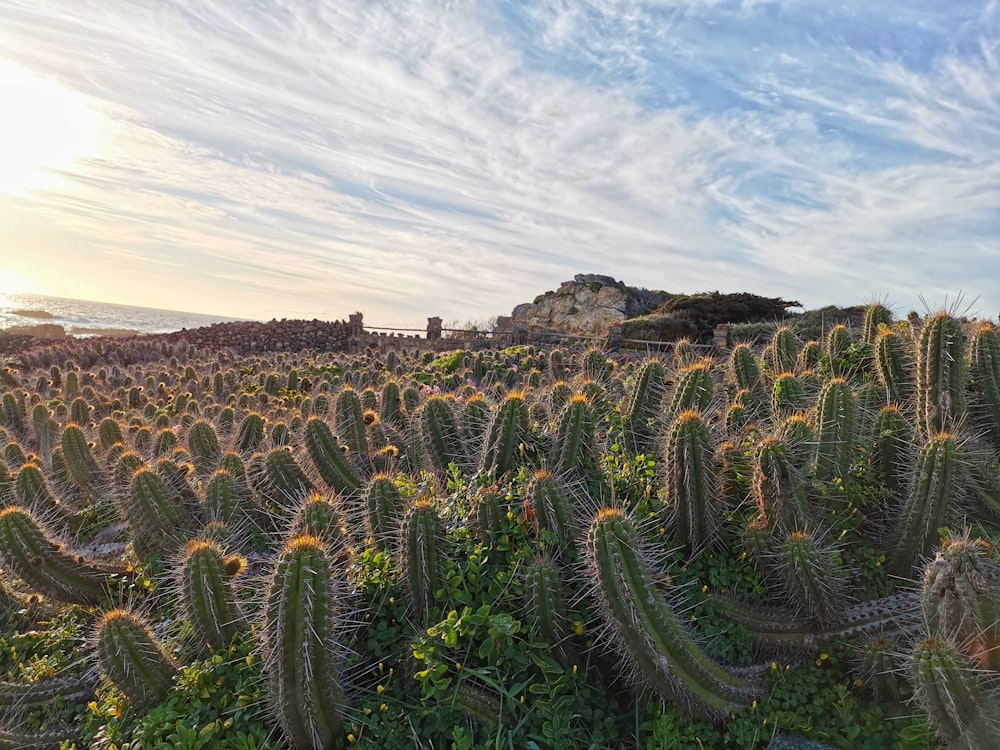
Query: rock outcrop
x=587, y=305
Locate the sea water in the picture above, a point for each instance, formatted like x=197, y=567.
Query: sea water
x=88, y=318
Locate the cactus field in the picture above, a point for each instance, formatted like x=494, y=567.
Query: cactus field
x=524, y=548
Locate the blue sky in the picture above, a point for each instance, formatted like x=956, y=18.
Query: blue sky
x=301, y=158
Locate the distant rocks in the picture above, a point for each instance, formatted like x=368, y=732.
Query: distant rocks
x=587, y=305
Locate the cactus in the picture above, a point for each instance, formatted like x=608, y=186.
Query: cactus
x=300, y=634
x=40, y=561
x=207, y=595
x=32, y=491
x=250, y=433
x=950, y=691
x=487, y=513
x=476, y=418
x=814, y=577
x=284, y=482
x=322, y=516
x=558, y=369
x=788, y=395
x=391, y=407
x=692, y=490
x=110, y=433
x=694, y=390
x=684, y=353
x=350, y=422
x=165, y=442
x=877, y=318
x=785, y=629
x=203, y=444
x=941, y=372
x=890, y=459
x=330, y=458
x=894, y=366
x=154, y=512
x=383, y=511
x=783, y=351
x=574, y=448
x=836, y=426
x=79, y=460
x=961, y=598
x=745, y=370
x=646, y=630
x=811, y=356
x=131, y=658
x=934, y=489
x=80, y=411
x=984, y=380
x=509, y=432
x=442, y=439
x=596, y=366
x=228, y=499
x=548, y=503
x=17, y=700
x=644, y=405
x=838, y=341
x=421, y=531
x=778, y=489
x=546, y=606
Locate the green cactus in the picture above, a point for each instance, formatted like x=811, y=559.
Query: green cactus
x=350, y=422
x=79, y=459
x=782, y=352
x=131, y=658
x=647, y=631
x=941, y=375
x=836, y=429
x=644, y=405
x=811, y=357
x=154, y=512
x=384, y=507
x=41, y=562
x=778, y=489
x=250, y=433
x=510, y=430
x=694, y=390
x=788, y=395
x=894, y=366
x=574, y=447
x=420, y=557
x=890, y=452
x=109, y=433
x=877, y=318
x=692, y=487
x=548, y=502
x=284, y=482
x=300, y=634
x=950, y=691
x=838, y=341
x=17, y=699
x=934, y=490
x=546, y=606
x=207, y=595
x=487, y=513
x=31, y=490
x=984, y=380
x=476, y=418
x=330, y=458
x=443, y=444
x=596, y=366
x=814, y=577
x=203, y=444
x=322, y=516
x=391, y=410
x=745, y=370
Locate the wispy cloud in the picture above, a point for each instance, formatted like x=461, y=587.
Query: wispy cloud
x=431, y=157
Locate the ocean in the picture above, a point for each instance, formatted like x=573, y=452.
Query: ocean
x=83, y=318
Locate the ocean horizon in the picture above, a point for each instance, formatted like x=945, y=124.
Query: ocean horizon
x=83, y=318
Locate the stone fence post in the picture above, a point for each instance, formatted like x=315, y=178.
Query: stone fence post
x=433, y=329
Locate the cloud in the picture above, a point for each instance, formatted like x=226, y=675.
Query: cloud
x=454, y=158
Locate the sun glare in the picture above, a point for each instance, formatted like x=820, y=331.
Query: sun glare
x=45, y=130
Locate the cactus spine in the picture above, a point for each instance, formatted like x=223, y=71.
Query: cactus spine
x=79, y=460
x=814, y=576
x=777, y=487
x=644, y=405
x=984, y=377
x=574, y=447
x=442, y=438
x=383, y=510
x=549, y=500
x=203, y=444
x=646, y=629
x=894, y=366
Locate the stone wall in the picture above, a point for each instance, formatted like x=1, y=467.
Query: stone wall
x=251, y=337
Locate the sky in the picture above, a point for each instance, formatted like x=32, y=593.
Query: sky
x=310, y=158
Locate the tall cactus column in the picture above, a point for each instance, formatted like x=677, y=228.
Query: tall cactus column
x=301, y=643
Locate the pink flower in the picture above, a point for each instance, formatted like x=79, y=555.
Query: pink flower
x=176, y=429
x=514, y=368
x=437, y=390
x=426, y=390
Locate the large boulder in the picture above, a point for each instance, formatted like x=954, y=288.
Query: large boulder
x=586, y=306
